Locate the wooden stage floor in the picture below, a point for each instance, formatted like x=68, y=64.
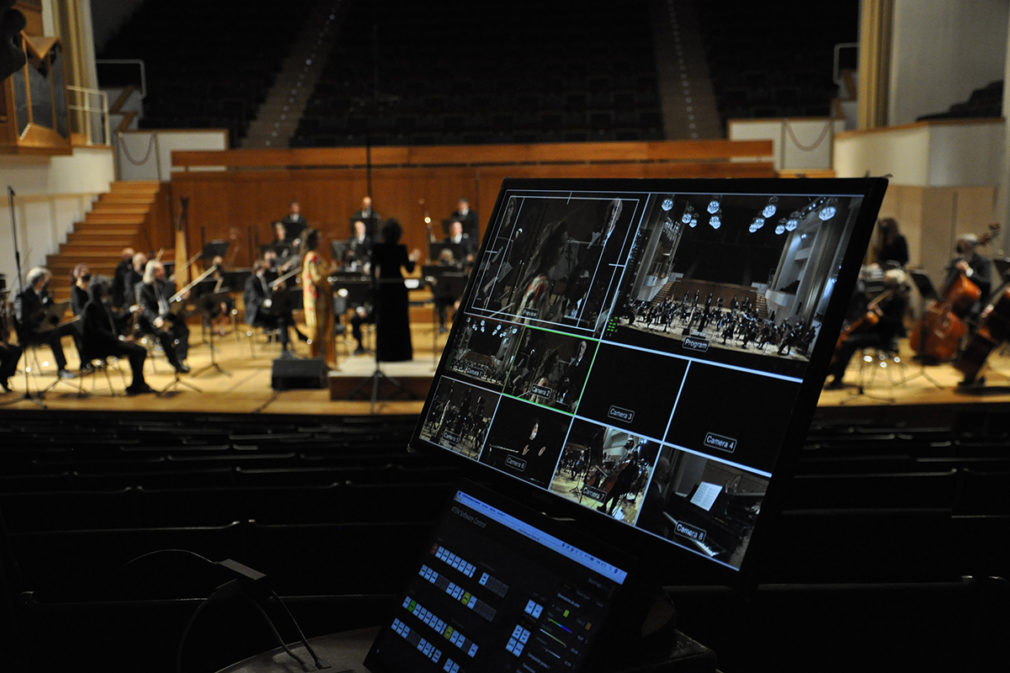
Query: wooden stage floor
x=244, y=384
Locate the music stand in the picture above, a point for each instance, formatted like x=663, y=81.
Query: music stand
x=351, y=290
x=928, y=293
x=924, y=285
x=214, y=249
x=447, y=284
x=284, y=302
x=1002, y=265
x=435, y=250
x=235, y=279
x=207, y=304
x=338, y=251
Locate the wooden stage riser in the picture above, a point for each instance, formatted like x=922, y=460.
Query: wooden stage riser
x=245, y=384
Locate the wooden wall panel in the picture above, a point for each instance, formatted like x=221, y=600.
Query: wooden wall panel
x=241, y=203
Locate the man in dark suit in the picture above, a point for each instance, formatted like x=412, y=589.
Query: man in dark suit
x=462, y=246
x=294, y=223
x=977, y=268
x=466, y=217
x=359, y=248
x=257, y=297
x=35, y=326
x=119, y=276
x=100, y=341
x=367, y=212
x=157, y=319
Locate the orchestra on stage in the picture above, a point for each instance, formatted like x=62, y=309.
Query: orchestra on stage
x=141, y=311
x=345, y=284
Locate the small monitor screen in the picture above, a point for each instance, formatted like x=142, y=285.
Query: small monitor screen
x=639, y=348
x=499, y=589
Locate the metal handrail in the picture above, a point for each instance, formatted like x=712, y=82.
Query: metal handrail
x=836, y=67
x=128, y=61
x=102, y=109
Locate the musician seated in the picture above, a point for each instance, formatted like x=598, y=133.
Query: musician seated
x=294, y=223
x=257, y=297
x=462, y=246
x=970, y=264
x=9, y=357
x=133, y=279
x=101, y=341
x=119, y=277
x=218, y=313
x=882, y=324
x=79, y=295
x=159, y=318
x=362, y=315
x=359, y=248
x=35, y=324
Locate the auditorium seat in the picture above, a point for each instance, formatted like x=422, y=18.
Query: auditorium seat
x=873, y=490
x=345, y=558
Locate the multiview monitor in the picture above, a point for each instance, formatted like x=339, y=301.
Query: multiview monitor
x=648, y=351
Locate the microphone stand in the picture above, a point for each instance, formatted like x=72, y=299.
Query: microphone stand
x=36, y=399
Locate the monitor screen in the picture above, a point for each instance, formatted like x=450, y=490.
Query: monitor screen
x=647, y=350
x=499, y=588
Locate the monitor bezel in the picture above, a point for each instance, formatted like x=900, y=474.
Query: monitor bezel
x=664, y=560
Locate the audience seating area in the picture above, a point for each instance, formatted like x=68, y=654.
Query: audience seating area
x=773, y=60
x=209, y=65
x=334, y=511
x=984, y=102
x=405, y=73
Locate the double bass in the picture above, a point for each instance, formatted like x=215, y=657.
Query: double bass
x=938, y=334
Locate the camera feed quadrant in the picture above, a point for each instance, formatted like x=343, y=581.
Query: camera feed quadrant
x=606, y=469
x=550, y=369
x=482, y=350
x=703, y=505
x=458, y=417
x=632, y=389
x=739, y=278
x=556, y=260
x=525, y=441
x=734, y=415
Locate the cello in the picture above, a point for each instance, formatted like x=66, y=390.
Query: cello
x=993, y=329
x=942, y=327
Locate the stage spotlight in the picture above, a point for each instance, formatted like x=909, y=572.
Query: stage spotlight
x=828, y=211
x=688, y=214
x=793, y=221
x=715, y=221
x=713, y=206
x=667, y=205
x=772, y=207
x=693, y=223
x=757, y=223
x=779, y=230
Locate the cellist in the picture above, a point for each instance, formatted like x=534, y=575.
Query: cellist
x=976, y=267
x=879, y=327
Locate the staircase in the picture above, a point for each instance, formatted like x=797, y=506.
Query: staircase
x=278, y=117
x=118, y=220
